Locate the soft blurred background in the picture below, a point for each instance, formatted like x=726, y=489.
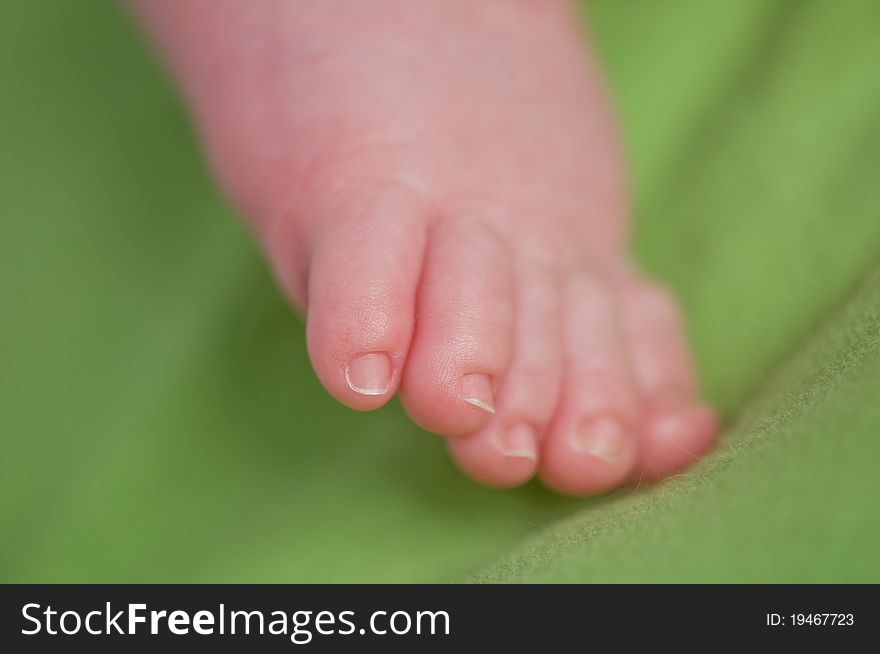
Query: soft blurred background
x=159, y=421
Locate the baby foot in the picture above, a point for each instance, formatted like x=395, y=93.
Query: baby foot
x=438, y=187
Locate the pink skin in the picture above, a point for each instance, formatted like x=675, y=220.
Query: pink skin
x=438, y=187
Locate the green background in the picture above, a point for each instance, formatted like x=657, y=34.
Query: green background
x=160, y=422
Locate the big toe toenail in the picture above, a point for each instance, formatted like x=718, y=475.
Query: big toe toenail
x=369, y=374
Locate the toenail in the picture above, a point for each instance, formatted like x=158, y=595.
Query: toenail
x=369, y=374
x=671, y=422
x=477, y=390
x=604, y=438
x=669, y=425
x=519, y=442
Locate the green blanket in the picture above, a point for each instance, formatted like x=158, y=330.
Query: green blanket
x=160, y=421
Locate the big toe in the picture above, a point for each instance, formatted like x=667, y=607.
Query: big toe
x=362, y=279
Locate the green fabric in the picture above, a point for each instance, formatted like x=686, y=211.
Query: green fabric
x=160, y=421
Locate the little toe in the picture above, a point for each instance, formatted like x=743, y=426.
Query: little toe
x=678, y=428
x=593, y=443
x=462, y=342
